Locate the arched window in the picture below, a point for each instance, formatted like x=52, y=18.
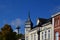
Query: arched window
x=49, y=34
x=31, y=36
x=27, y=38
x=42, y=35
x=45, y=35
x=57, y=35
x=34, y=36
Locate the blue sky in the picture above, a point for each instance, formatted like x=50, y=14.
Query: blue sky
x=15, y=12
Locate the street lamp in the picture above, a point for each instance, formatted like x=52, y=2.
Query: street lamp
x=18, y=27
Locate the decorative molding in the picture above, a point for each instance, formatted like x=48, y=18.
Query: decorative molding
x=34, y=29
x=46, y=24
x=44, y=29
x=57, y=28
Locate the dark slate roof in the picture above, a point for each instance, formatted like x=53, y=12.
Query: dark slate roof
x=43, y=21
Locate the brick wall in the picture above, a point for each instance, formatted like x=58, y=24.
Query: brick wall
x=56, y=25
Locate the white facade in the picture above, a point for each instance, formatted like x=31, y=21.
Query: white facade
x=46, y=32
x=32, y=35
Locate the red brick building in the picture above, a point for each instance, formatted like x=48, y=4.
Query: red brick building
x=56, y=24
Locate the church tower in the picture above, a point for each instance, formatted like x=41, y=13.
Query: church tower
x=28, y=24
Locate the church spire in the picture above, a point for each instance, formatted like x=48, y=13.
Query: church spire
x=29, y=22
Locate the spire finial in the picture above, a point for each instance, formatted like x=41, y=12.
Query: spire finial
x=29, y=15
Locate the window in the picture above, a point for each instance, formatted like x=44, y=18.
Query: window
x=49, y=34
x=27, y=38
x=45, y=35
x=34, y=36
x=27, y=30
x=31, y=36
x=57, y=36
x=58, y=21
x=42, y=35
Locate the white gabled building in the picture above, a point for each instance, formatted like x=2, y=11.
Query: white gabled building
x=46, y=32
x=42, y=31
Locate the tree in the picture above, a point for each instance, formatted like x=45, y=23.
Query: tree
x=0, y=36
x=20, y=36
x=7, y=33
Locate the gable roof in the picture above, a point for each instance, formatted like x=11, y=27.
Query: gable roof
x=43, y=21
